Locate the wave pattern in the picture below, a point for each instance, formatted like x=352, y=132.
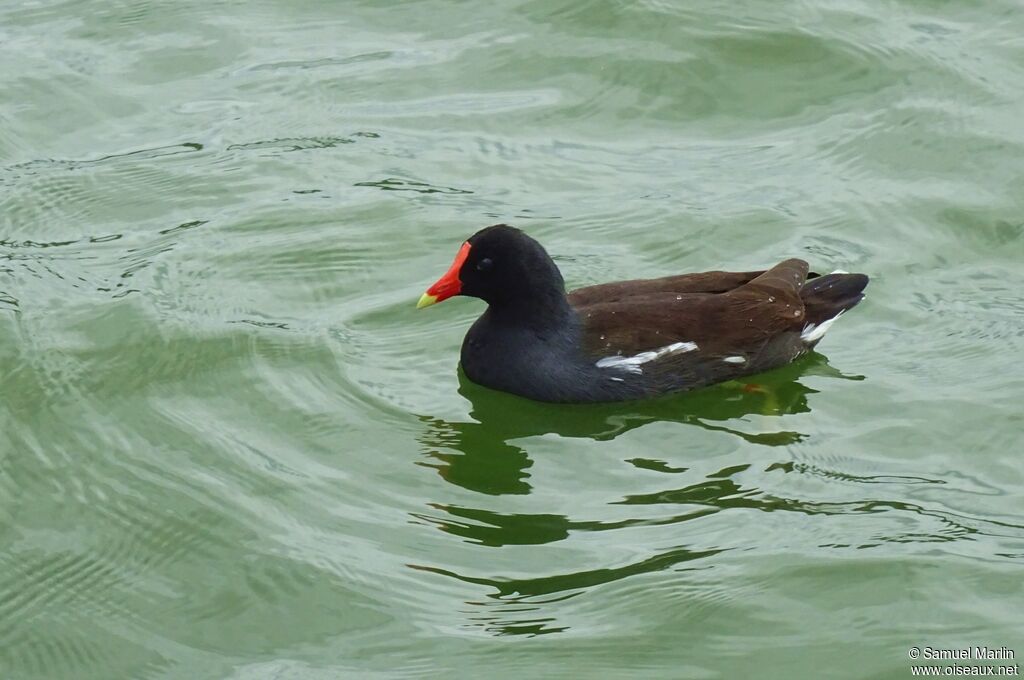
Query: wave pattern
x=230, y=448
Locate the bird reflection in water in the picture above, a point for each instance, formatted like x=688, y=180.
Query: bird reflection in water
x=487, y=456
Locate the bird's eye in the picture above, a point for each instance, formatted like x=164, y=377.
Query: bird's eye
x=484, y=264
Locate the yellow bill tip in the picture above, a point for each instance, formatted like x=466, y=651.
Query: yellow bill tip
x=426, y=301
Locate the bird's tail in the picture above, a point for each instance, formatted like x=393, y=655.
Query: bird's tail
x=826, y=297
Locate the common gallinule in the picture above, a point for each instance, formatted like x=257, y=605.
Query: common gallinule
x=630, y=339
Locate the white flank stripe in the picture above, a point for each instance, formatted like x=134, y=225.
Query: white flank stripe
x=814, y=332
x=632, y=364
x=735, y=360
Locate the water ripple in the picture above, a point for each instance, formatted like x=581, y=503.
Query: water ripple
x=231, y=447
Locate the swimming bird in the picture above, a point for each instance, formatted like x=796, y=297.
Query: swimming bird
x=630, y=339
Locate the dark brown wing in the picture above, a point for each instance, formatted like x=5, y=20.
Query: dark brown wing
x=703, y=282
x=743, y=321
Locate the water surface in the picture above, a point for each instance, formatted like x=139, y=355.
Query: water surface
x=230, y=447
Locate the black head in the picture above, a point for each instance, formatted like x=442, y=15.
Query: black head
x=505, y=265
x=502, y=266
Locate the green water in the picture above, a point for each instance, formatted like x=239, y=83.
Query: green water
x=230, y=447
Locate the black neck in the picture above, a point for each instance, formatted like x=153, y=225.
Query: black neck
x=541, y=310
